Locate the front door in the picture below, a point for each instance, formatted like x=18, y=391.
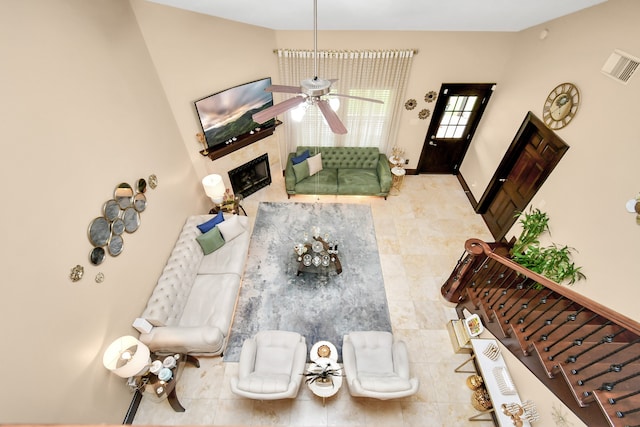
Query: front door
x=533, y=154
x=456, y=115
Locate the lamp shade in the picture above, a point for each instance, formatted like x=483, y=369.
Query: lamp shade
x=214, y=187
x=126, y=357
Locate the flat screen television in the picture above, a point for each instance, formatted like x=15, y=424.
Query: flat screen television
x=225, y=116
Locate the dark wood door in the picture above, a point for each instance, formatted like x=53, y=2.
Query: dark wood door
x=533, y=154
x=456, y=115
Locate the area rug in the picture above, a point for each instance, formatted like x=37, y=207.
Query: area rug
x=318, y=306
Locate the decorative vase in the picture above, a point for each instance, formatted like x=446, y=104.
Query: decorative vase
x=480, y=400
x=474, y=382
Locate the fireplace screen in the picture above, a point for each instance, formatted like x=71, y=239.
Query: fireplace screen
x=251, y=177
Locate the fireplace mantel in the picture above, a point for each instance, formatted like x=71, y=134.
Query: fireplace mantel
x=241, y=142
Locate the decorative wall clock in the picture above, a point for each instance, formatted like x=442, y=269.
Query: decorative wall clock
x=561, y=106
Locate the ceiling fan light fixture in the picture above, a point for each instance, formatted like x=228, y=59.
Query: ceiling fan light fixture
x=315, y=86
x=334, y=103
x=297, y=114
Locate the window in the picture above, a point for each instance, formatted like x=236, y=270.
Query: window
x=456, y=116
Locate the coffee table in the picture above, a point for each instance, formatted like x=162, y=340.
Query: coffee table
x=318, y=257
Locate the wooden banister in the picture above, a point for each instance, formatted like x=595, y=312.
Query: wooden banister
x=479, y=247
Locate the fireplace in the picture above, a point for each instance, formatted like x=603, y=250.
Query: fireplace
x=251, y=177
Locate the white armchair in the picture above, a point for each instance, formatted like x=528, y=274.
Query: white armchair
x=376, y=365
x=271, y=366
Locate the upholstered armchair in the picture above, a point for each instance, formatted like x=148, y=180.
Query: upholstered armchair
x=271, y=366
x=376, y=365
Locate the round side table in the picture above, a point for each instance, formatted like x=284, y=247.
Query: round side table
x=323, y=349
x=325, y=390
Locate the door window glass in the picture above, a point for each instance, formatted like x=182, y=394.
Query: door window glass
x=456, y=116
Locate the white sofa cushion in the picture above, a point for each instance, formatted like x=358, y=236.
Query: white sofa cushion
x=212, y=301
x=231, y=257
x=373, y=351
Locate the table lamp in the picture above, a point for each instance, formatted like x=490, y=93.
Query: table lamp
x=214, y=187
x=127, y=357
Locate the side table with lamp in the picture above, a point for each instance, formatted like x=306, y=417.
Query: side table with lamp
x=156, y=375
x=222, y=198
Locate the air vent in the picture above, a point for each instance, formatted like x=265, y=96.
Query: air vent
x=620, y=66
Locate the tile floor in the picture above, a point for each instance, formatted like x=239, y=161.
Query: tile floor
x=421, y=234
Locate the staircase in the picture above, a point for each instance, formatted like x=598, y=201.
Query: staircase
x=584, y=352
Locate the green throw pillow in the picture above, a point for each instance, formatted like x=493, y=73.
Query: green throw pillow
x=301, y=171
x=210, y=241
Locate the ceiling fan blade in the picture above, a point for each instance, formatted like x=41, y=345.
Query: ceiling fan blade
x=283, y=89
x=357, y=97
x=273, y=111
x=332, y=118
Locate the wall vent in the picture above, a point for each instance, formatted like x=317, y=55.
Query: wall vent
x=620, y=66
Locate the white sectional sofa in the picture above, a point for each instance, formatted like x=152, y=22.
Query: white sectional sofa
x=192, y=305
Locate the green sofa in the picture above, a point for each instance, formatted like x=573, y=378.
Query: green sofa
x=345, y=170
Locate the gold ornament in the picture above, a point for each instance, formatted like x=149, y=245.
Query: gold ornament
x=423, y=114
x=430, y=96
x=410, y=104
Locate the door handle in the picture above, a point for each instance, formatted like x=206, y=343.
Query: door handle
x=503, y=180
x=433, y=144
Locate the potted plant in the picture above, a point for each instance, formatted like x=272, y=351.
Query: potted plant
x=553, y=262
x=322, y=374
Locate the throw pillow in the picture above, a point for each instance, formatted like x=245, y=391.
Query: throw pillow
x=211, y=241
x=301, y=170
x=301, y=158
x=231, y=228
x=206, y=226
x=315, y=164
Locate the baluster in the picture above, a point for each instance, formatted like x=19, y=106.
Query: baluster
x=497, y=288
x=523, y=329
x=599, y=359
x=543, y=300
x=546, y=323
x=515, y=302
x=492, y=271
x=570, y=318
x=475, y=274
x=621, y=414
x=503, y=292
x=519, y=287
x=614, y=400
x=605, y=340
x=579, y=341
x=559, y=340
x=524, y=305
x=610, y=386
x=616, y=367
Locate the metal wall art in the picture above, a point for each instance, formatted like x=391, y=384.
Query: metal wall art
x=410, y=104
x=423, y=114
x=431, y=96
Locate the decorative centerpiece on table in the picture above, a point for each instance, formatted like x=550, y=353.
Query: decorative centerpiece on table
x=322, y=374
x=320, y=252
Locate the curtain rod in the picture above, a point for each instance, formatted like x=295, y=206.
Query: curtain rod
x=415, y=51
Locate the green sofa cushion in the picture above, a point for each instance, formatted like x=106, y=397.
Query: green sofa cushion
x=324, y=182
x=358, y=181
x=301, y=170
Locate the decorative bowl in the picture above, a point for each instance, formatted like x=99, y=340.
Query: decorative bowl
x=165, y=374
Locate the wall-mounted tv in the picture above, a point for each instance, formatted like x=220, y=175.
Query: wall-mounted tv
x=225, y=116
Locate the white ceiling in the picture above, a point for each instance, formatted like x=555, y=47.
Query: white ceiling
x=405, y=15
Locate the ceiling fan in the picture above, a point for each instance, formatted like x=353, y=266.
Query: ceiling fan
x=311, y=91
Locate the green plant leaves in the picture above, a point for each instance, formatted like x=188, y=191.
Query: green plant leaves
x=553, y=262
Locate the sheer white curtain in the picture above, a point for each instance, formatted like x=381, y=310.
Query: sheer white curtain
x=381, y=75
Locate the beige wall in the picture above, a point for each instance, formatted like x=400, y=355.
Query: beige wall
x=586, y=194
x=82, y=110
x=95, y=93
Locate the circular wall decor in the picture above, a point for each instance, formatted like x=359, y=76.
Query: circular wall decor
x=430, y=96
x=424, y=113
x=561, y=106
x=410, y=104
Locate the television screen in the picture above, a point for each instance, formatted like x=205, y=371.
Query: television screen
x=226, y=116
